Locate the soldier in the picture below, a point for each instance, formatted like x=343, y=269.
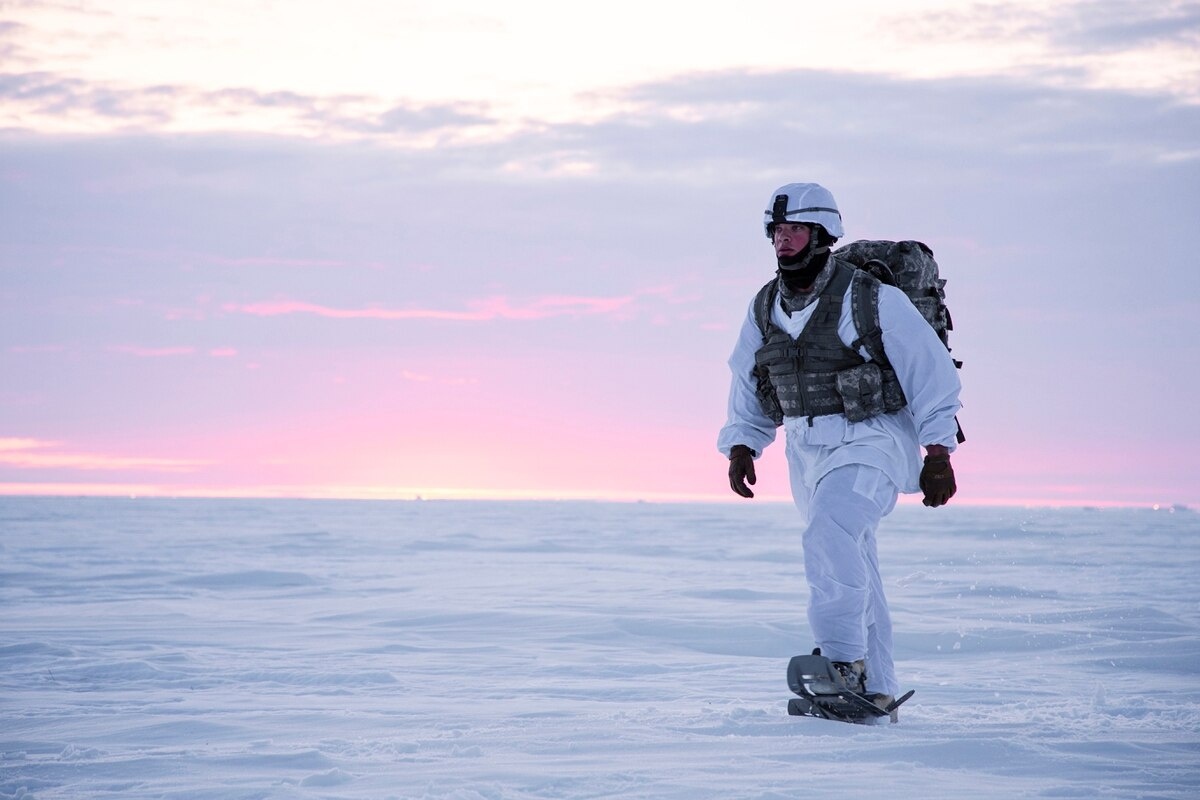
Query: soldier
x=854, y=426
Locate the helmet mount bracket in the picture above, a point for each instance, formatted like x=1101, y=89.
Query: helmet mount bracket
x=779, y=210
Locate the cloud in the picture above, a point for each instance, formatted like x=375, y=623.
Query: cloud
x=833, y=115
x=12, y=50
x=424, y=118
x=1080, y=26
x=732, y=120
x=11, y=443
x=994, y=172
x=1120, y=24
x=485, y=310
x=36, y=348
x=84, y=9
x=151, y=352
x=1099, y=44
x=140, y=351
x=49, y=96
x=1104, y=45
x=272, y=261
x=59, y=102
x=29, y=453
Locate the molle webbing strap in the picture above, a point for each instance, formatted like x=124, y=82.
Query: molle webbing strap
x=820, y=336
x=763, y=303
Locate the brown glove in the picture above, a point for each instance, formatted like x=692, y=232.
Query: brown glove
x=741, y=469
x=937, y=478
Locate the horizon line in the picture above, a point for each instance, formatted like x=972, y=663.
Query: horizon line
x=411, y=494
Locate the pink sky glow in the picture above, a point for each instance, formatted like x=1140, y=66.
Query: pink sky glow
x=231, y=268
x=480, y=310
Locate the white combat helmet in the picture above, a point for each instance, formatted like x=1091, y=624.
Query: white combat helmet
x=803, y=202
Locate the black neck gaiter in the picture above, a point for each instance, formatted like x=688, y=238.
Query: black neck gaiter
x=800, y=286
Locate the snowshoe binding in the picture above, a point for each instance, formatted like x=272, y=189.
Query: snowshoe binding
x=837, y=690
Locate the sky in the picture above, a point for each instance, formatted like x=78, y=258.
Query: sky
x=466, y=249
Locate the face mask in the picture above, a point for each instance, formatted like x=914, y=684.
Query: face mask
x=800, y=270
x=800, y=287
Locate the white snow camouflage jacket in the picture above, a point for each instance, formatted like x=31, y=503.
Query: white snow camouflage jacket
x=890, y=442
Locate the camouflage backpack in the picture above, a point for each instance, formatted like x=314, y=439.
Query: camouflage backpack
x=909, y=266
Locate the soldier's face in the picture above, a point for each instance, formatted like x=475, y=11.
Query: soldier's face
x=790, y=238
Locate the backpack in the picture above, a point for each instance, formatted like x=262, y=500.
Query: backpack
x=910, y=267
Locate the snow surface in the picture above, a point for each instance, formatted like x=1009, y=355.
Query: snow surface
x=278, y=649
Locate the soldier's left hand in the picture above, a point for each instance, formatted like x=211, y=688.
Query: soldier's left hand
x=937, y=479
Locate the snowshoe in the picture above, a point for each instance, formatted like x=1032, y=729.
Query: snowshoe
x=836, y=691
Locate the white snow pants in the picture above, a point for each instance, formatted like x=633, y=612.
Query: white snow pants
x=847, y=609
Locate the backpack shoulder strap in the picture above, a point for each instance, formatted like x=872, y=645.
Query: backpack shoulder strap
x=864, y=304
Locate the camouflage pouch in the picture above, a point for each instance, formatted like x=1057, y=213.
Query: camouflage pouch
x=861, y=390
x=766, y=394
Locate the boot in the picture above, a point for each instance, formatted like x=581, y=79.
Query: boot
x=854, y=673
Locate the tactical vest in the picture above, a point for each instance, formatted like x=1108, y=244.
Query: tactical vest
x=816, y=374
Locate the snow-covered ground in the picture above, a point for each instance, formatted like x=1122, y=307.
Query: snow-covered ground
x=277, y=649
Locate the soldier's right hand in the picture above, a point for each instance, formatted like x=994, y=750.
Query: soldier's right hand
x=741, y=470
